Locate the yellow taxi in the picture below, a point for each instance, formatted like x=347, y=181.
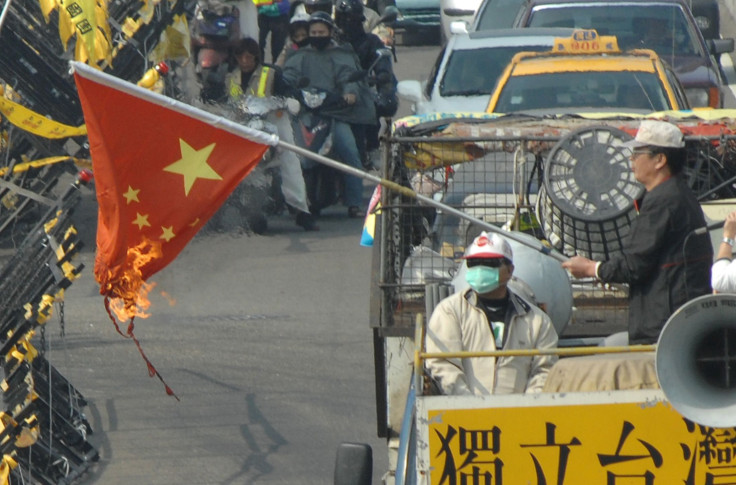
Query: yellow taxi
x=587, y=72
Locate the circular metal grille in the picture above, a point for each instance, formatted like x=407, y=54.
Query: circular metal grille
x=586, y=204
x=587, y=174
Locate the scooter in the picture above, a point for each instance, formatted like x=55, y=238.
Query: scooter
x=313, y=131
x=213, y=32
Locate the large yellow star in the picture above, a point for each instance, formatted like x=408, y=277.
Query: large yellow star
x=193, y=165
x=131, y=195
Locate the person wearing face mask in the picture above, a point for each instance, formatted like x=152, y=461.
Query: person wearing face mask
x=298, y=35
x=489, y=316
x=349, y=18
x=328, y=67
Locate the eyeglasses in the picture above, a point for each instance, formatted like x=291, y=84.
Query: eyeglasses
x=490, y=262
x=636, y=153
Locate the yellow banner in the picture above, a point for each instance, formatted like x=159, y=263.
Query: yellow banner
x=635, y=443
x=22, y=167
x=37, y=124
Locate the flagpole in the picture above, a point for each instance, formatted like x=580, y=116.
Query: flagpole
x=4, y=13
x=422, y=198
x=264, y=138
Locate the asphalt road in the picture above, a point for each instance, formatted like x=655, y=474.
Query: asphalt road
x=265, y=339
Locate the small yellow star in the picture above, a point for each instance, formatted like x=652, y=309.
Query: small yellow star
x=194, y=222
x=141, y=220
x=131, y=195
x=193, y=165
x=168, y=233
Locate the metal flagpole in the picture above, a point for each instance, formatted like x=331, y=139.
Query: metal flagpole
x=422, y=198
x=4, y=13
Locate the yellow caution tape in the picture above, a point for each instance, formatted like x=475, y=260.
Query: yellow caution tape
x=37, y=124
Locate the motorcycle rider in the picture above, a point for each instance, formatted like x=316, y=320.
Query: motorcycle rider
x=253, y=78
x=349, y=16
x=372, y=18
x=328, y=67
x=215, y=29
x=298, y=34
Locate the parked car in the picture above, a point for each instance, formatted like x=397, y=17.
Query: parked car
x=421, y=17
x=586, y=73
x=456, y=11
x=467, y=68
x=666, y=26
x=499, y=14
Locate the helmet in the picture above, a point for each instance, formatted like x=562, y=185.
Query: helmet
x=322, y=17
x=298, y=20
x=312, y=6
x=489, y=246
x=350, y=8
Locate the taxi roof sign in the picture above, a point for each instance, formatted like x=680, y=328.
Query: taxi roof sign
x=586, y=41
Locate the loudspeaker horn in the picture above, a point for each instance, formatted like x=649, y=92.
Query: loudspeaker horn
x=696, y=360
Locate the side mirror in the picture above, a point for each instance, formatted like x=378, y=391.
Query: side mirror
x=410, y=90
x=720, y=46
x=353, y=464
x=459, y=27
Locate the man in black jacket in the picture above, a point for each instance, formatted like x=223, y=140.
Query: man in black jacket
x=663, y=261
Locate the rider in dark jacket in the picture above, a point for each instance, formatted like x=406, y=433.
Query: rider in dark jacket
x=349, y=17
x=329, y=68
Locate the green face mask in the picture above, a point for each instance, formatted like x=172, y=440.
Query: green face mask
x=482, y=278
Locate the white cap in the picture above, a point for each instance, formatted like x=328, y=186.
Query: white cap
x=657, y=134
x=489, y=246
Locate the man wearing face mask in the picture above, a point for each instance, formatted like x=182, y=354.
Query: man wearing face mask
x=328, y=67
x=487, y=317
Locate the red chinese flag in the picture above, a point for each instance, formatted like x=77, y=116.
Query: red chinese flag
x=162, y=169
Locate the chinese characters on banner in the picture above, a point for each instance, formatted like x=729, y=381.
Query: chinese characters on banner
x=573, y=445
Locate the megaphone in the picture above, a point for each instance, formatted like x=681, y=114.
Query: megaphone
x=696, y=360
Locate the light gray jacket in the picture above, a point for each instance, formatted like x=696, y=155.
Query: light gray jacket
x=458, y=324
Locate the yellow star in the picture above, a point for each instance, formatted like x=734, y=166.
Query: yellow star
x=194, y=222
x=141, y=220
x=131, y=195
x=168, y=233
x=193, y=165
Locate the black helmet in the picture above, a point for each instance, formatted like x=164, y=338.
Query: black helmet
x=312, y=6
x=322, y=17
x=351, y=9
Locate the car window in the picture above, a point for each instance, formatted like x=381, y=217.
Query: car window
x=475, y=71
x=433, y=73
x=498, y=14
x=620, y=89
x=662, y=28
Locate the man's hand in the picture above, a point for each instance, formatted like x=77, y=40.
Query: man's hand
x=580, y=267
x=349, y=98
x=729, y=228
